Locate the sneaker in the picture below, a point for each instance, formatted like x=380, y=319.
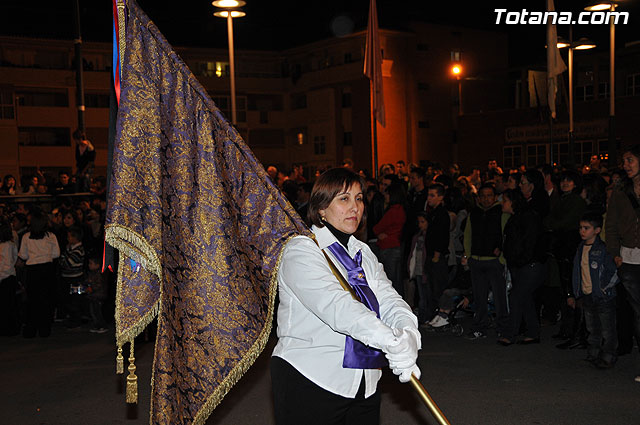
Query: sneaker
x=637, y=378
x=476, y=335
x=98, y=330
x=439, y=322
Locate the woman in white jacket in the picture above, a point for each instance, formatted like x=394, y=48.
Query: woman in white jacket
x=331, y=348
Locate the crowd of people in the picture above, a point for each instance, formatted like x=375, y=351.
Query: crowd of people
x=51, y=257
x=520, y=248
x=517, y=248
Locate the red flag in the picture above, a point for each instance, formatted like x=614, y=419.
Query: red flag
x=373, y=63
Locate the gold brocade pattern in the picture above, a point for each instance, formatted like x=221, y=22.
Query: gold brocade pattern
x=191, y=206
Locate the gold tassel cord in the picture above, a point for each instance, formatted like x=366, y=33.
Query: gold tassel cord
x=119, y=361
x=132, y=379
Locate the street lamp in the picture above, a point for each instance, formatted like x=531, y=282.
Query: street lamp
x=581, y=44
x=456, y=71
x=611, y=6
x=230, y=9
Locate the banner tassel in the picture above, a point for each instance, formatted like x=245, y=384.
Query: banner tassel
x=132, y=379
x=119, y=361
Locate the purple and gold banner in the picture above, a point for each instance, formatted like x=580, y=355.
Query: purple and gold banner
x=193, y=207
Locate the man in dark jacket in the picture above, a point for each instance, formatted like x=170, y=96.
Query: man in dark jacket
x=436, y=247
x=483, y=249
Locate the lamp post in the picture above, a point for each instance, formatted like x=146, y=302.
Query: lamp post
x=456, y=71
x=581, y=44
x=611, y=6
x=229, y=9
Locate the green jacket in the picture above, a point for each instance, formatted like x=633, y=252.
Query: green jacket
x=622, y=227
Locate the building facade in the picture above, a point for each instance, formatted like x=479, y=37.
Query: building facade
x=307, y=105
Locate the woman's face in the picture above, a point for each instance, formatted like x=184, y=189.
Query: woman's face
x=11, y=182
x=68, y=220
x=507, y=205
x=345, y=210
x=630, y=164
x=511, y=183
x=567, y=185
x=526, y=187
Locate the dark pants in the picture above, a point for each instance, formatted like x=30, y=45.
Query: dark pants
x=40, y=283
x=391, y=258
x=526, y=280
x=297, y=401
x=485, y=275
x=95, y=309
x=437, y=281
x=9, y=306
x=600, y=318
x=629, y=274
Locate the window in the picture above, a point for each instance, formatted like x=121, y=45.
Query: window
x=346, y=99
x=213, y=69
x=584, y=150
x=423, y=86
x=224, y=104
x=536, y=155
x=264, y=117
x=512, y=156
x=96, y=100
x=347, y=138
x=348, y=57
x=6, y=105
x=299, y=135
x=455, y=56
x=298, y=101
x=319, y=145
x=561, y=153
x=423, y=124
x=423, y=47
x=44, y=136
x=43, y=97
x=633, y=85
x=603, y=90
x=584, y=92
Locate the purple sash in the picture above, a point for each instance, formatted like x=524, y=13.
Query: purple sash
x=356, y=354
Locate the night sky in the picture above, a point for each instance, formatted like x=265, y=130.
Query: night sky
x=287, y=23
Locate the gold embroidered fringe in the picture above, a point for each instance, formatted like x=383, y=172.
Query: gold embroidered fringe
x=254, y=352
x=132, y=379
x=134, y=246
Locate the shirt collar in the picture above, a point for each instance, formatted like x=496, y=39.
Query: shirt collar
x=326, y=238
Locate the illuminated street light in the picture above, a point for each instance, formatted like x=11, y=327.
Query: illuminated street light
x=456, y=70
x=230, y=10
x=581, y=44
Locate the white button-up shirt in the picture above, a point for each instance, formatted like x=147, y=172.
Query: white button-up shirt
x=39, y=251
x=315, y=314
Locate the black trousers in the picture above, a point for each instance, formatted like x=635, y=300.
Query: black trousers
x=40, y=283
x=298, y=401
x=9, y=306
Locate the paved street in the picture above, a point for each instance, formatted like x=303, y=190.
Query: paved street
x=69, y=379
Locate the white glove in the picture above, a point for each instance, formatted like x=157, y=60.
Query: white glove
x=403, y=352
x=405, y=374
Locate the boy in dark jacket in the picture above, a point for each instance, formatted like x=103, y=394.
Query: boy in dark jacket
x=594, y=280
x=436, y=247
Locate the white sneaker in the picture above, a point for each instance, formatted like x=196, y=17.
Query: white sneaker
x=434, y=320
x=637, y=378
x=440, y=322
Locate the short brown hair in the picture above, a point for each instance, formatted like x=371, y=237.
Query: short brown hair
x=326, y=187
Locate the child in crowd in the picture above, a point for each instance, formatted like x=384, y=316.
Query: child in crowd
x=96, y=294
x=594, y=280
x=8, y=282
x=71, y=272
x=417, y=259
x=38, y=249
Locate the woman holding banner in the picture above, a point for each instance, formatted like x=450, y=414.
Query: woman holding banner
x=331, y=348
